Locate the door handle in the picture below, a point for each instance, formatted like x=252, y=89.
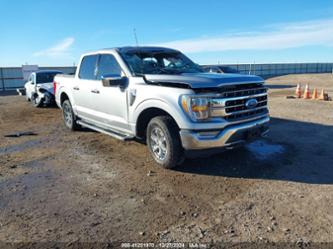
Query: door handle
x=76, y=88
x=94, y=91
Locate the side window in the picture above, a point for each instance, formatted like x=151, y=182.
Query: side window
x=213, y=70
x=31, y=78
x=88, y=67
x=108, y=65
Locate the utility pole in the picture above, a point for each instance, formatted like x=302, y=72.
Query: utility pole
x=135, y=37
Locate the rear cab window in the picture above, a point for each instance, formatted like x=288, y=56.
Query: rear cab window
x=46, y=77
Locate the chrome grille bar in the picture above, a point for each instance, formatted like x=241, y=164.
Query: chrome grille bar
x=240, y=105
x=245, y=92
x=244, y=111
x=221, y=102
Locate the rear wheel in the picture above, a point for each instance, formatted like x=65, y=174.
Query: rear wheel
x=164, y=142
x=69, y=116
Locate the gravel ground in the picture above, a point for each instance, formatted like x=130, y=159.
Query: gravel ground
x=84, y=186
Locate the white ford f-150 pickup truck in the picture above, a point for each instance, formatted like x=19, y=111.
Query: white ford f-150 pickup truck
x=160, y=96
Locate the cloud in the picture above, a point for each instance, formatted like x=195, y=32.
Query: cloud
x=274, y=37
x=58, y=50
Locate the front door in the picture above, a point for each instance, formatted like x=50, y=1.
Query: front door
x=111, y=101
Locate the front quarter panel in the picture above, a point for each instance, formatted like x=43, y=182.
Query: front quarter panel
x=164, y=98
x=167, y=99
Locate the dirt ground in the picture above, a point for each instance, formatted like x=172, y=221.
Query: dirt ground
x=84, y=186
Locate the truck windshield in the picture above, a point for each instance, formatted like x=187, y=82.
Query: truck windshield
x=159, y=63
x=46, y=77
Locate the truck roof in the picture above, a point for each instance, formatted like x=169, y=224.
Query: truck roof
x=145, y=49
x=133, y=49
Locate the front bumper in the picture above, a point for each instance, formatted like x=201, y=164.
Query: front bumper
x=229, y=137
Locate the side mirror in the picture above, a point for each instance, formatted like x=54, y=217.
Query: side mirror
x=113, y=80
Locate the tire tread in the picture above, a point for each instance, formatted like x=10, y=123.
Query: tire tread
x=171, y=131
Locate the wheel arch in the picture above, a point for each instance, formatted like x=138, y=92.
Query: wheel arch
x=63, y=96
x=145, y=116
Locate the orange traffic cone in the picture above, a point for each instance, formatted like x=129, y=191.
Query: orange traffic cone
x=323, y=95
x=315, y=94
x=306, y=92
x=298, y=91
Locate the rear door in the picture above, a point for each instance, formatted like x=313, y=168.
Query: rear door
x=83, y=85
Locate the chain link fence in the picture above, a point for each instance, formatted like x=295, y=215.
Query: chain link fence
x=277, y=69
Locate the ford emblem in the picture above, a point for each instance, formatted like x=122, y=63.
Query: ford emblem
x=251, y=103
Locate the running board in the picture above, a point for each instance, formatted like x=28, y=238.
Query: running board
x=120, y=136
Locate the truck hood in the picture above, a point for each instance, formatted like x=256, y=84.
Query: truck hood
x=46, y=86
x=202, y=80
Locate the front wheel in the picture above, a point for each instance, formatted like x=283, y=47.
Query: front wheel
x=164, y=142
x=69, y=116
x=36, y=100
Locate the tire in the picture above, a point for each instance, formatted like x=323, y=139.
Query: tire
x=35, y=101
x=69, y=116
x=163, y=142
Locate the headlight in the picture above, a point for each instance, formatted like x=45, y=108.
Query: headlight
x=196, y=107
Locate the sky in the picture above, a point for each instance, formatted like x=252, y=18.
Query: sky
x=55, y=33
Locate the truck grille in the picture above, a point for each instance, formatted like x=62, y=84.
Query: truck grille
x=246, y=90
x=239, y=105
x=231, y=104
